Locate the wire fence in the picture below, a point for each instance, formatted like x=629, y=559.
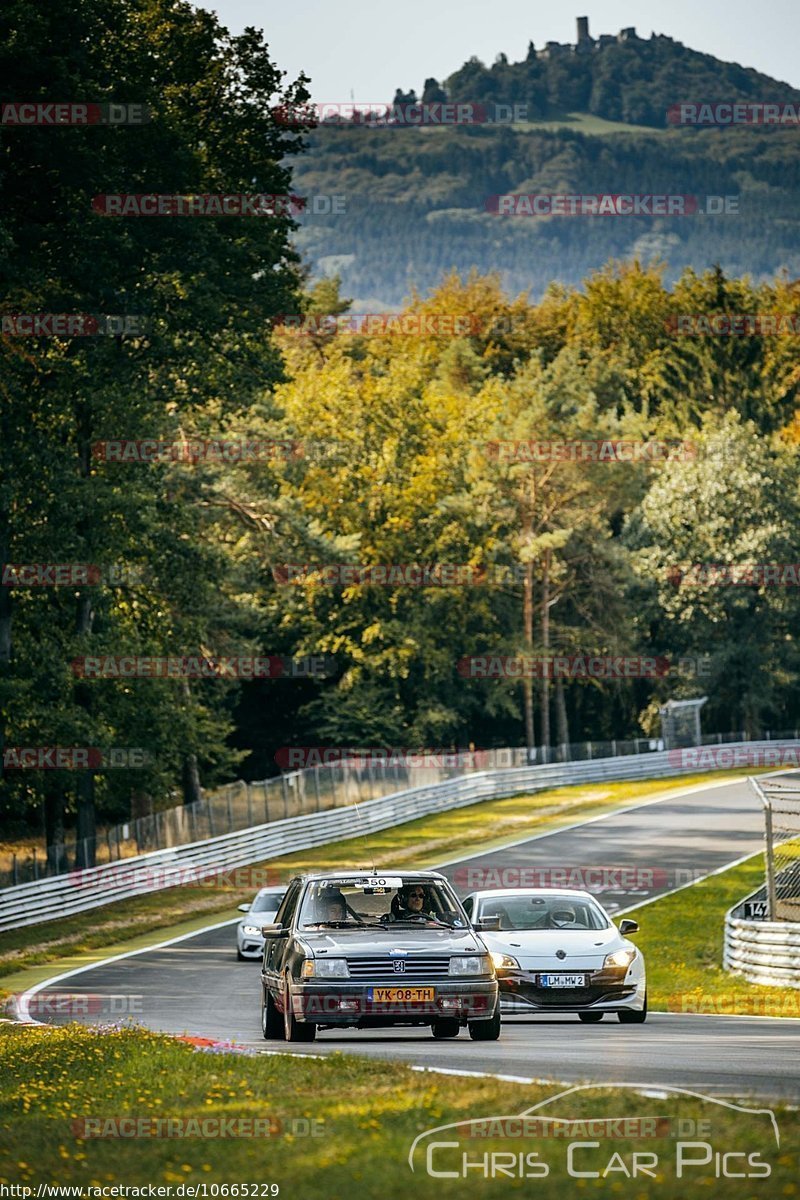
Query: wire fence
x=242, y=804
x=781, y=799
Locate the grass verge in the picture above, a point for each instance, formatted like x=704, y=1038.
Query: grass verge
x=32, y=953
x=365, y=1116
x=682, y=939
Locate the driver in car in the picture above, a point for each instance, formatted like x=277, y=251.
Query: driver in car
x=332, y=907
x=410, y=902
x=563, y=917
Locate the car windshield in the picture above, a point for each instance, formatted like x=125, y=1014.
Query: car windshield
x=353, y=902
x=543, y=912
x=268, y=903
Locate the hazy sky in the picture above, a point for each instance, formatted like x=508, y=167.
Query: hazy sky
x=371, y=47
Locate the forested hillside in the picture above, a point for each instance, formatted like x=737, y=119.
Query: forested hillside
x=416, y=198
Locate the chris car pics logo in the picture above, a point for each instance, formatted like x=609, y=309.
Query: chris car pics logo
x=661, y=1146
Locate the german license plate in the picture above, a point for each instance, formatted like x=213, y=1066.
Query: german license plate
x=562, y=981
x=393, y=995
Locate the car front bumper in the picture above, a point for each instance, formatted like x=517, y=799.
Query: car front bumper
x=612, y=990
x=345, y=1003
x=250, y=947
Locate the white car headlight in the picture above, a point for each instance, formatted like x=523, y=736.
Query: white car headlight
x=251, y=930
x=505, y=961
x=471, y=964
x=620, y=958
x=325, y=968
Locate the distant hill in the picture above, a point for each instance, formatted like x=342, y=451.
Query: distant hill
x=619, y=77
x=416, y=197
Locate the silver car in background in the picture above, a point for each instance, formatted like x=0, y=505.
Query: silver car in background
x=260, y=911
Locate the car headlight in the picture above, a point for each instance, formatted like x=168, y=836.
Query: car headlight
x=504, y=961
x=325, y=968
x=251, y=930
x=471, y=964
x=620, y=958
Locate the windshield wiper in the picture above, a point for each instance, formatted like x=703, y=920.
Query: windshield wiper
x=422, y=921
x=331, y=924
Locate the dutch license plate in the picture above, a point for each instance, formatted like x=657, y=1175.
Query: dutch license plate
x=562, y=981
x=392, y=995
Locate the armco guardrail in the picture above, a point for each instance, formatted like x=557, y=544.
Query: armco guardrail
x=766, y=952
x=80, y=891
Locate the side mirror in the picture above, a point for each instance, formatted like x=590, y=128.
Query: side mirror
x=626, y=927
x=487, y=925
x=244, y=908
x=274, y=930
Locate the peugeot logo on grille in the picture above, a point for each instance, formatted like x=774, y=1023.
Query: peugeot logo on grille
x=399, y=966
x=561, y=954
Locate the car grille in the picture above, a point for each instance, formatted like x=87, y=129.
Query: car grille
x=417, y=968
x=569, y=997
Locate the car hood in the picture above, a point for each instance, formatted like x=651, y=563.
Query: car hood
x=582, y=947
x=367, y=942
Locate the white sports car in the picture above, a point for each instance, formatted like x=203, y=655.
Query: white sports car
x=557, y=950
x=260, y=911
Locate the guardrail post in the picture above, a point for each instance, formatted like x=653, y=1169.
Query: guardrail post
x=285, y=790
x=589, y=750
x=35, y=867
x=769, y=862
x=14, y=869
x=614, y=747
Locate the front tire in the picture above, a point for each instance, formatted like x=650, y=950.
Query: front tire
x=445, y=1027
x=634, y=1018
x=486, y=1031
x=271, y=1022
x=591, y=1018
x=294, y=1030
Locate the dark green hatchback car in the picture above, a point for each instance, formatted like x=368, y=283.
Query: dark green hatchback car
x=364, y=950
